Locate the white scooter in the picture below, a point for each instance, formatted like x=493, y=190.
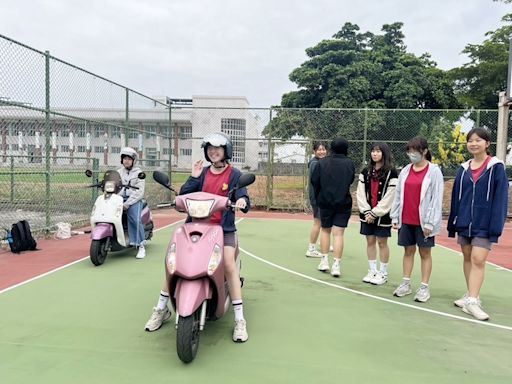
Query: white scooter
x=109, y=220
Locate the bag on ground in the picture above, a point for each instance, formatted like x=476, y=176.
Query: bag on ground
x=20, y=237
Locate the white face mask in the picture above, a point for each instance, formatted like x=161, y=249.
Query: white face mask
x=415, y=157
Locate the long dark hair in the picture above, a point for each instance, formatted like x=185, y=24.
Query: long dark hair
x=419, y=144
x=387, y=158
x=482, y=133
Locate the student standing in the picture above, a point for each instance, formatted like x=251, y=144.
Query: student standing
x=417, y=214
x=331, y=180
x=478, y=212
x=375, y=195
x=319, y=152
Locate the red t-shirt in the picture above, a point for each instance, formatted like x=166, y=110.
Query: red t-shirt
x=412, y=194
x=477, y=172
x=374, y=192
x=218, y=184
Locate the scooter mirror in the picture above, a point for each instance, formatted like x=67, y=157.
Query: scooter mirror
x=245, y=180
x=88, y=173
x=162, y=179
x=142, y=175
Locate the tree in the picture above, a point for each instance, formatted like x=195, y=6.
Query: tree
x=451, y=148
x=361, y=70
x=478, y=82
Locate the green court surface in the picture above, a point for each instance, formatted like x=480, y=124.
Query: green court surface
x=85, y=325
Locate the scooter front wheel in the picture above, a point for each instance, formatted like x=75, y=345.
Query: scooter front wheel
x=98, y=251
x=187, y=336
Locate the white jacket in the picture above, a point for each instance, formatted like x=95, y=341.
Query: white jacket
x=131, y=177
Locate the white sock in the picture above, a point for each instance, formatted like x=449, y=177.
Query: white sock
x=424, y=285
x=384, y=268
x=373, y=265
x=162, y=300
x=312, y=246
x=337, y=261
x=238, y=307
x=407, y=280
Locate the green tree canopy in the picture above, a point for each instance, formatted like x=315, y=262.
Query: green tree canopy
x=478, y=82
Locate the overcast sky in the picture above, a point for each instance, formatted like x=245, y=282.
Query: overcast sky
x=181, y=48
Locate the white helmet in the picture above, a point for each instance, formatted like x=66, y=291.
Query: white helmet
x=130, y=152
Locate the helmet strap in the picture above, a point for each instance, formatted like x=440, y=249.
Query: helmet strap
x=223, y=164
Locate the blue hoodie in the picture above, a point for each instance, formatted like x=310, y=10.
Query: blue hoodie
x=195, y=184
x=479, y=209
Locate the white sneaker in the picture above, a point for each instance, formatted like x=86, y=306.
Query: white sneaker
x=313, y=253
x=158, y=317
x=403, y=290
x=141, y=253
x=368, y=277
x=460, y=302
x=324, y=264
x=473, y=307
x=422, y=294
x=240, y=332
x=379, y=278
x=335, y=271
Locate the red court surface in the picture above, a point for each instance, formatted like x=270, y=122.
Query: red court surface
x=54, y=253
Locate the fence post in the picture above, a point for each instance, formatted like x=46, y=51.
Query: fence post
x=270, y=160
x=501, y=140
x=477, y=122
x=126, y=117
x=169, y=164
x=12, y=179
x=365, y=134
x=47, y=129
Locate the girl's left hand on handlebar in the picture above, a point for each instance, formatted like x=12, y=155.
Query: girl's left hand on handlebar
x=241, y=203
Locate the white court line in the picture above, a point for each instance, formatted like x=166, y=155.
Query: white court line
x=67, y=265
x=332, y=285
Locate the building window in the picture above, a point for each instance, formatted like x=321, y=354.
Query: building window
x=14, y=147
x=186, y=152
x=30, y=129
x=116, y=132
x=186, y=132
x=235, y=128
x=81, y=149
x=133, y=132
x=80, y=130
x=13, y=129
x=98, y=131
x=165, y=151
x=98, y=149
x=64, y=148
x=150, y=131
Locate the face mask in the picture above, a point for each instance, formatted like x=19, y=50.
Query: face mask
x=415, y=157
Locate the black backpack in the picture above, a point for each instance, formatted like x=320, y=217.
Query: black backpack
x=20, y=237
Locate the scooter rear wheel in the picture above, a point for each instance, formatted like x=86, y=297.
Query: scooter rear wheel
x=98, y=251
x=187, y=336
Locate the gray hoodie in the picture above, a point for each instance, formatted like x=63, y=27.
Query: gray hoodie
x=131, y=176
x=431, y=199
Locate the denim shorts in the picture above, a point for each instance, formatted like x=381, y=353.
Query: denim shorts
x=409, y=235
x=481, y=242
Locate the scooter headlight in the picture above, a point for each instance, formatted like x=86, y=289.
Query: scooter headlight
x=110, y=186
x=215, y=259
x=199, y=208
x=171, y=258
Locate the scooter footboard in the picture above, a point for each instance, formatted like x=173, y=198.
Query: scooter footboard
x=190, y=294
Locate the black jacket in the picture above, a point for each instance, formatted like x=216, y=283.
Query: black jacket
x=331, y=180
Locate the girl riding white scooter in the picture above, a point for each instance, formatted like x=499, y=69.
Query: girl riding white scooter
x=219, y=178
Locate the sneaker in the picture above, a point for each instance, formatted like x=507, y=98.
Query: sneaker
x=141, y=253
x=313, y=253
x=473, y=307
x=324, y=264
x=158, y=317
x=379, y=278
x=335, y=271
x=240, y=331
x=368, y=277
x=403, y=290
x=460, y=302
x=422, y=294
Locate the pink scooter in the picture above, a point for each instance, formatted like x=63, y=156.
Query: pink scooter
x=195, y=266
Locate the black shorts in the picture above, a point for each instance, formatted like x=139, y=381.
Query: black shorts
x=330, y=217
x=316, y=211
x=413, y=235
x=374, y=230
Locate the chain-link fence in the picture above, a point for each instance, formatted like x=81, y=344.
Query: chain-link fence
x=56, y=120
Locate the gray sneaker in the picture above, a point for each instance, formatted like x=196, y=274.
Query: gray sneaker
x=473, y=307
x=158, y=317
x=422, y=294
x=460, y=302
x=403, y=289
